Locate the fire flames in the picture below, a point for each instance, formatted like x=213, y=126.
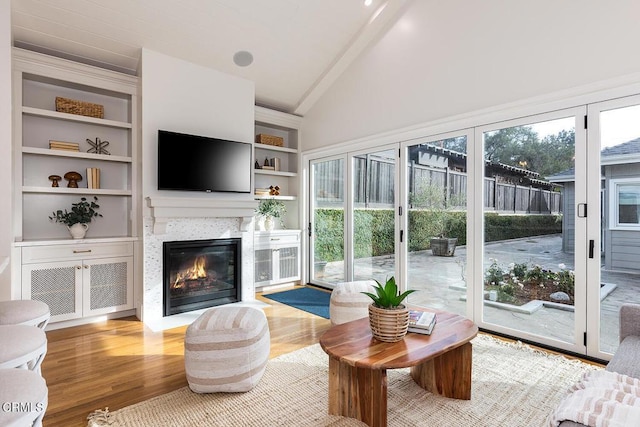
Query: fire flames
x=197, y=272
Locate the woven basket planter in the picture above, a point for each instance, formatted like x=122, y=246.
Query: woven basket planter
x=388, y=325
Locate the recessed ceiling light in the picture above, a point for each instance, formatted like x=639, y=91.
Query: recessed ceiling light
x=368, y=2
x=243, y=58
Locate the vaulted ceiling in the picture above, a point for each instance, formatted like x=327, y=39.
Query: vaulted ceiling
x=299, y=47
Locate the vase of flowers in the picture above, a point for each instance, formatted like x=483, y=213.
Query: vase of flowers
x=77, y=220
x=270, y=209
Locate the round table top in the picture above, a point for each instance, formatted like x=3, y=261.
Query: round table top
x=352, y=342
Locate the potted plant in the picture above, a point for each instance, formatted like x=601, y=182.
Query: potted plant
x=388, y=317
x=77, y=220
x=270, y=209
x=432, y=196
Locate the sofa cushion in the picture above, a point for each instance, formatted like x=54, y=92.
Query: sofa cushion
x=625, y=360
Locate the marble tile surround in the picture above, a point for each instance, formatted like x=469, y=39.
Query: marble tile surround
x=178, y=229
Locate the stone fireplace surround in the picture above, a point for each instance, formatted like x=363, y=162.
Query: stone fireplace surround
x=177, y=219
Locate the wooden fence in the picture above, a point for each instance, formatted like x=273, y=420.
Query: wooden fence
x=374, y=187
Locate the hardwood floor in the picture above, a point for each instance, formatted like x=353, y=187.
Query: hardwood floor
x=120, y=362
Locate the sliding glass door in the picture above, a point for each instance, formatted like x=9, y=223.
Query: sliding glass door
x=373, y=221
x=435, y=183
x=327, y=221
x=530, y=227
x=614, y=273
x=533, y=233
x=353, y=222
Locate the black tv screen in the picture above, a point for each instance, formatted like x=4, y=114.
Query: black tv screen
x=199, y=163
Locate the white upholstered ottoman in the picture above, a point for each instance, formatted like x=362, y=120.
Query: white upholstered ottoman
x=348, y=303
x=226, y=349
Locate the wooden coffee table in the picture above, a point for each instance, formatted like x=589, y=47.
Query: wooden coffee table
x=358, y=363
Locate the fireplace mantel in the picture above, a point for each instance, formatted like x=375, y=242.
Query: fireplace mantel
x=163, y=209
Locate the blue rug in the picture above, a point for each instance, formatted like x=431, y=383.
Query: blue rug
x=306, y=299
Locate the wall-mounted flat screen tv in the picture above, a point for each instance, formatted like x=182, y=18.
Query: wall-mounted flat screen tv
x=200, y=163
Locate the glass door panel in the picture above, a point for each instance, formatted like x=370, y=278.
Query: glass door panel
x=529, y=256
x=327, y=221
x=437, y=218
x=616, y=125
x=373, y=229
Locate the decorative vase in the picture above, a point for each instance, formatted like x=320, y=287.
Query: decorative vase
x=268, y=223
x=388, y=325
x=78, y=230
x=260, y=222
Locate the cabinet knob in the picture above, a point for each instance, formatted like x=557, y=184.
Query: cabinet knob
x=78, y=267
x=86, y=266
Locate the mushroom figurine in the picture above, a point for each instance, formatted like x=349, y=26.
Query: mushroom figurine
x=73, y=178
x=54, y=179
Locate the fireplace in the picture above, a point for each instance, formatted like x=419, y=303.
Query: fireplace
x=201, y=273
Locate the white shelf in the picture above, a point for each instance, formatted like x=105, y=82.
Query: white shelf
x=284, y=198
x=275, y=148
x=67, y=190
x=76, y=154
x=275, y=173
x=74, y=118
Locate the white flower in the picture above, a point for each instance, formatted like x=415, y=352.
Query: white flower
x=562, y=266
x=512, y=265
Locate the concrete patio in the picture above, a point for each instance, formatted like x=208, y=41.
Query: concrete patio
x=440, y=282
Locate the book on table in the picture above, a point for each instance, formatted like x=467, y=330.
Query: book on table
x=421, y=321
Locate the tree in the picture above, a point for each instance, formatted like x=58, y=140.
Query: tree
x=521, y=147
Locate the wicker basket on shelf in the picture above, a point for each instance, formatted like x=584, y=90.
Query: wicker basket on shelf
x=277, y=141
x=72, y=106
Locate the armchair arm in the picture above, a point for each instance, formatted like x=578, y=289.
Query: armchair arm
x=629, y=320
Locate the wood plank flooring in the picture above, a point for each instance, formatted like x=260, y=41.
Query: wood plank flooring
x=120, y=362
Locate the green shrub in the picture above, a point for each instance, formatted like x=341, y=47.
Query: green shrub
x=374, y=230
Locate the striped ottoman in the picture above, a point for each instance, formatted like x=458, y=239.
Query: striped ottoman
x=226, y=349
x=347, y=303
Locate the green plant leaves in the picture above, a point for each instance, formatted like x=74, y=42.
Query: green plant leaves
x=386, y=295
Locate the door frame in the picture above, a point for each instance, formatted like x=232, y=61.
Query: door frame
x=580, y=246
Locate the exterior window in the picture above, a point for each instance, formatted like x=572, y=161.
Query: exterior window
x=625, y=206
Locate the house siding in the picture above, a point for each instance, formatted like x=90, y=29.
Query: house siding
x=622, y=247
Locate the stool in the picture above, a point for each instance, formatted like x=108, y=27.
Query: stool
x=24, y=312
x=24, y=397
x=22, y=346
x=226, y=349
x=348, y=303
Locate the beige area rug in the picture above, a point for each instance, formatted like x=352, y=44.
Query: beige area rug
x=513, y=384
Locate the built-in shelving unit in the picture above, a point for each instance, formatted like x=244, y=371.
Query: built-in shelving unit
x=77, y=278
x=285, y=126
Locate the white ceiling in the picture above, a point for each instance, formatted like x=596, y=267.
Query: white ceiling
x=299, y=46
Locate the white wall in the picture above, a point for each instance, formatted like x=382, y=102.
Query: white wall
x=183, y=97
x=5, y=149
x=448, y=57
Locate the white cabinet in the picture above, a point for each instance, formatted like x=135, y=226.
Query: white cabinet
x=276, y=257
x=79, y=280
x=285, y=126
